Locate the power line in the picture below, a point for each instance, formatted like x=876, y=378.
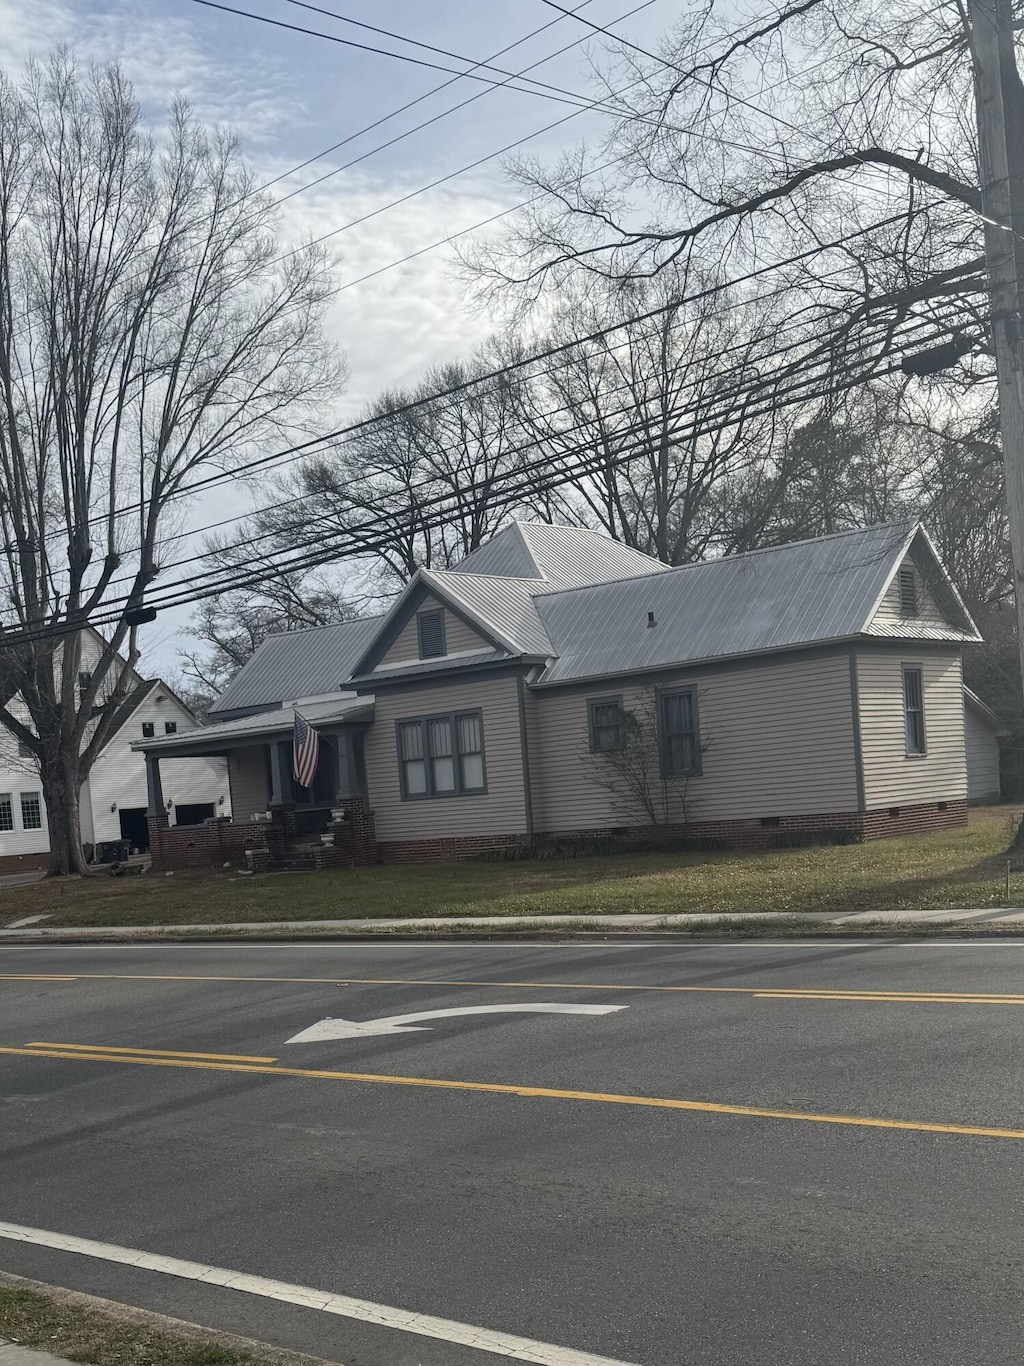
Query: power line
x=758, y=359
x=801, y=391
x=301, y=449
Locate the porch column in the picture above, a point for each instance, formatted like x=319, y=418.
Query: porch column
x=154, y=787
x=346, y=765
x=280, y=784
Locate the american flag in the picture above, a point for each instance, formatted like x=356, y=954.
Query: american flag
x=305, y=751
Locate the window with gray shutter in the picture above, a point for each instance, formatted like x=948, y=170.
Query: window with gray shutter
x=605, y=722
x=431, y=634
x=913, y=710
x=679, y=739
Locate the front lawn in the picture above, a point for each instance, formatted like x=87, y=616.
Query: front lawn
x=952, y=869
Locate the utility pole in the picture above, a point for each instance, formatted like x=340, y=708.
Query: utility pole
x=999, y=106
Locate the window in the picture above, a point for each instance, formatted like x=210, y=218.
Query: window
x=6, y=812
x=913, y=710
x=24, y=752
x=680, y=743
x=441, y=756
x=84, y=681
x=170, y=727
x=908, y=593
x=605, y=721
x=148, y=730
x=31, y=811
x=430, y=626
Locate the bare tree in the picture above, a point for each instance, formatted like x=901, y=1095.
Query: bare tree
x=640, y=406
x=148, y=329
x=422, y=483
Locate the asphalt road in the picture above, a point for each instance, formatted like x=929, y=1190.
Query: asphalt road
x=730, y=1225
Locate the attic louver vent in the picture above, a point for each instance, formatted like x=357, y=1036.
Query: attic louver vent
x=908, y=593
x=431, y=629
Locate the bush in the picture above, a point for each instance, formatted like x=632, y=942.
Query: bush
x=603, y=845
x=808, y=839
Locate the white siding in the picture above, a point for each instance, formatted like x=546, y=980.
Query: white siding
x=458, y=637
x=982, y=757
x=118, y=776
x=927, y=609
x=247, y=773
x=891, y=776
x=18, y=776
x=778, y=737
x=500, y=810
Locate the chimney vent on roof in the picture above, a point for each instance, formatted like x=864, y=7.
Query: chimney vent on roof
x=650, y=620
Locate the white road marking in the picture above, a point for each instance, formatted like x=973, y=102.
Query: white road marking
x=384, y=1316
x=402, y=1024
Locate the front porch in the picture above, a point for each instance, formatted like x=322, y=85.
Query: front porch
x=275, y=823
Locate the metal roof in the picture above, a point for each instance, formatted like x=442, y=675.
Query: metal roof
x=505, y=607
x=472, y=659
x=562, y=556
x=799, y=594
x=292, y=664
x=280, y=721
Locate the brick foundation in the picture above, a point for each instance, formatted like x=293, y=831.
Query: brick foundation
x=23, y=863
x=740, y=834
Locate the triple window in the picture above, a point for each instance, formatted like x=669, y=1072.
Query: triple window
x=441, y=756
x=913, y=709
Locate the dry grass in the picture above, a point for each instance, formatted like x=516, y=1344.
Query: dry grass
x=950, y=869
x=69, y=1326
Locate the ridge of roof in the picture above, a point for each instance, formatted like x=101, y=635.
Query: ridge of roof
x=327, y=626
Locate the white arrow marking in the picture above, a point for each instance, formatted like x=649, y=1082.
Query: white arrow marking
x=402, y=1024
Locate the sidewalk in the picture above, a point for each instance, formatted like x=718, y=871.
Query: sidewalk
x=1009, y=917
x=11, y=1354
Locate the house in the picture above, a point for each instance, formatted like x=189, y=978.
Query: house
x=814, y=687
x=113, y=799
x=982, y=732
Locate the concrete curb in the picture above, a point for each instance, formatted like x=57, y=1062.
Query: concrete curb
x=996, y=922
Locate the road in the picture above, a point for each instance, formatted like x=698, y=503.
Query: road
x=767, y=1153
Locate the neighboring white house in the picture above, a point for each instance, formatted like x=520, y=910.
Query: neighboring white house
x=113, y=796
x=982, y=729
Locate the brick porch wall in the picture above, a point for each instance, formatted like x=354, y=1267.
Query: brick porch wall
x=205, y=846
x=741, y=834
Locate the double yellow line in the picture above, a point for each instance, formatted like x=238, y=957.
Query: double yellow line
x=228, y=1062
x=956, y=998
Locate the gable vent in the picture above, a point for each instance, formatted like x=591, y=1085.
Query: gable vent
x=908, y=592
x=431, y=632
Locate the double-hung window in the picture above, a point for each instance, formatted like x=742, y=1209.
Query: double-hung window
x=441, y=756
x=913, y=709
x=606, y=724
x=31, y=811
x=6, y=812
x=680, y=741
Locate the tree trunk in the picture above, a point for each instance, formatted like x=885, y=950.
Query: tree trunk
x=61, y=783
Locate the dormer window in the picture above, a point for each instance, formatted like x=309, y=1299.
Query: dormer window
x=908, y=593
x=430, y=626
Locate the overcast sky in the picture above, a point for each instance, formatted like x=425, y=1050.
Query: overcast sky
x=291, y=95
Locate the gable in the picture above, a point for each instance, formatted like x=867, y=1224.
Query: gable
x=458, y=636
x=929, y=616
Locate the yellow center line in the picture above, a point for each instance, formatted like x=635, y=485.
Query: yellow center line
x=894, y=997
x=825, y=993
x=154, y=1052
x=538, y=1092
